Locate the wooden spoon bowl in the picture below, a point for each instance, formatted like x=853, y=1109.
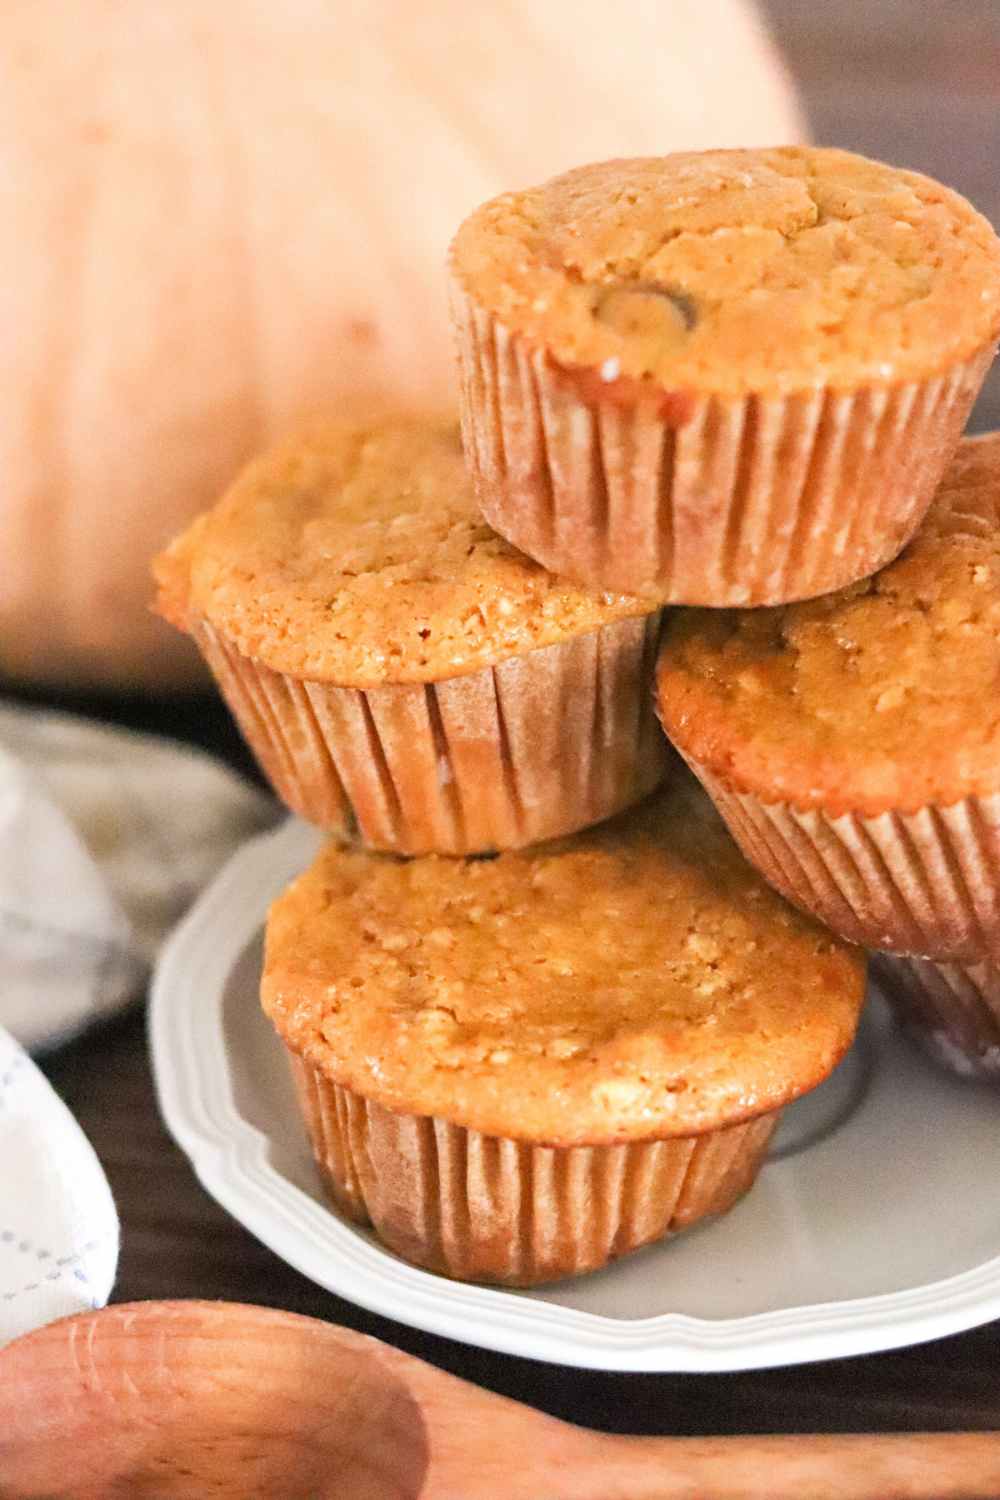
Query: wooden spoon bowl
x=201, y=1399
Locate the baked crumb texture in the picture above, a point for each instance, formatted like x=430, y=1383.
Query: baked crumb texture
x=356, y=555
x=853, y=743
x=402, y=673
x=636, y=980
x=520, y=1068
x=725, y=378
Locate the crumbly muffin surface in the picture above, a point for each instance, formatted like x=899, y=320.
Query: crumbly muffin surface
x=884, y=695
x=356, y=555
x=635, y=980
x=732, y=272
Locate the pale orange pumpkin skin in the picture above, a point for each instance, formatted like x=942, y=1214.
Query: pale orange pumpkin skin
x=215, y=218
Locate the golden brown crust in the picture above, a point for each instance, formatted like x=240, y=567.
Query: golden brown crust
x=356, y=555
x=731, y=272
x=881, y=697
x=632, y=982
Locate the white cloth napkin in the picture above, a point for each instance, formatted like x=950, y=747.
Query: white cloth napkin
x=58, y=1226
x=105, y=838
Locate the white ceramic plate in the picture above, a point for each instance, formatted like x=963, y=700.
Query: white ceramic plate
x=876, y=1222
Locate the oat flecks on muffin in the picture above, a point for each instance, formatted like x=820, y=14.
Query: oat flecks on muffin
x=634, y=981
x=357, y=555
x=884, y=695
x=784, y=270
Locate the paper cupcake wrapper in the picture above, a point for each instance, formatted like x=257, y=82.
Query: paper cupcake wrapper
x=482, y=1208
x=755, y=501
x=926, y=882
x=533, y=748
x=951, y=1010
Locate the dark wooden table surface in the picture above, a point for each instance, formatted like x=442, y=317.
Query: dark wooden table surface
x=916, y=83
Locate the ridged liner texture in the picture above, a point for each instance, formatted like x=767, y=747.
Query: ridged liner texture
x=925, y=883
x=536, y=747
x=951, y=1010
x=755, y=501
x=483, y=1208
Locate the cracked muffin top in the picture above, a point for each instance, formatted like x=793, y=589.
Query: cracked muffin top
x=733, y=272
x=356, y=555
x=884, y=695
x=635, y=980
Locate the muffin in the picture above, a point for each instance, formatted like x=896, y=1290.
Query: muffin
x=725, y=378
x=852, y=743
x=520, y=1068
x=952, y=1011
x=400, y=671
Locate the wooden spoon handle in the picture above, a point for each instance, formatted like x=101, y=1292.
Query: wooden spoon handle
x=911, y=1466
x=188, y=1399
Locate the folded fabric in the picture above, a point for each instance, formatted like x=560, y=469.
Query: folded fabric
x=58, y=1226
x=107, y=836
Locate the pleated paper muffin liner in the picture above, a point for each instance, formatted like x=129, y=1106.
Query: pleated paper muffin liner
x=703, y=500
x=924, y=882
x=484, y=1208
x=951, y=1010
x=533, y=748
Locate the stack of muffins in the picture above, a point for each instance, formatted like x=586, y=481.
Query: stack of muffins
x=540, y=1008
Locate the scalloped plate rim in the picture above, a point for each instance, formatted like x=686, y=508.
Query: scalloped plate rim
x=228, y=1154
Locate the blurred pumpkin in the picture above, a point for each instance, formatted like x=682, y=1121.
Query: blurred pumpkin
x=216, y=217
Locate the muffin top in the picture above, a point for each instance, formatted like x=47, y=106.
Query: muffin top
x=356, y=555
x=884, y=695
x=635, y=980
x=738, y=271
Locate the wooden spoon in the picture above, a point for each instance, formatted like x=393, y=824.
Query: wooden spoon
x=203, y=1399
